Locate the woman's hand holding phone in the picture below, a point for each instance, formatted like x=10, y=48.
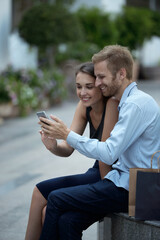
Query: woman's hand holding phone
x=50, y=143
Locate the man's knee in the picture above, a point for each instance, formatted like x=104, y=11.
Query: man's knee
x=56, y=197
x=54, y=200
x=52, y=196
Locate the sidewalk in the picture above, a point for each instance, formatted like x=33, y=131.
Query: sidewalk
x=24, y=161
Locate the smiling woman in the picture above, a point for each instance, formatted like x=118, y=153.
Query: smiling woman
x=86, y=90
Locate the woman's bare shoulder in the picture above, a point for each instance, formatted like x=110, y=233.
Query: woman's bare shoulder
x=81, y=109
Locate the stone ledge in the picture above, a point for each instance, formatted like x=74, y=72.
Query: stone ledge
x=120, y=226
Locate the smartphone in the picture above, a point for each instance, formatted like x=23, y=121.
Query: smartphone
x=42, y=114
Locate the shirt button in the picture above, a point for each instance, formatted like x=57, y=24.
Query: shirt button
x=118, y=163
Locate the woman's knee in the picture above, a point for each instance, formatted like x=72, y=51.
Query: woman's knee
x=36, y=192
x=37, y=195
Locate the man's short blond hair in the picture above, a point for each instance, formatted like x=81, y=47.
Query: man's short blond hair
x=116, y=57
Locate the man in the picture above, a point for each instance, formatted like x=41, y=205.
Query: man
x=132, y=141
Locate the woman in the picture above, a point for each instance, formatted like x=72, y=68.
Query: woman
x=92, y=108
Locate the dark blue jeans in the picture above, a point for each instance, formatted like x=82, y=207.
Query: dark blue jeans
x=72, y=210
x=47, y=186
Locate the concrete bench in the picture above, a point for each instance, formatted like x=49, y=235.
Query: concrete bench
x=120, y=226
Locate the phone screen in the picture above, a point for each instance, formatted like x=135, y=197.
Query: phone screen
x=42, y=114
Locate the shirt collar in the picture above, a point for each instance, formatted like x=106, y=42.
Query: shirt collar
x=126, y=93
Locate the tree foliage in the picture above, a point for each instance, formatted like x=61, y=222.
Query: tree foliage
x=156, y=23
x=97, y=26
x=135, y=25
x=81, y=51
x=49, y=24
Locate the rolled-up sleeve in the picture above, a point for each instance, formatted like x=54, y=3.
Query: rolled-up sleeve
x=123, y=135
x=91, y=148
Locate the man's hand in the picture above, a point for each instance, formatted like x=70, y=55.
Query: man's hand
x=54, y=129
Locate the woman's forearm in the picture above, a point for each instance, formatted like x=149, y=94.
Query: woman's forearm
x=61, y=149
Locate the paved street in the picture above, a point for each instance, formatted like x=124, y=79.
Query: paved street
x=24, y=161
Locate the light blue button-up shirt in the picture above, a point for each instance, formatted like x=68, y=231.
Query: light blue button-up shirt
x=135, y=137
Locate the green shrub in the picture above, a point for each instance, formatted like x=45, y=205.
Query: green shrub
x=98, y=31
x=134, y=25
x=155, y=31
x=80, y=51
x=97, y=26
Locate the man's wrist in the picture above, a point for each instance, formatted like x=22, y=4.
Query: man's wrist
x=66, y=133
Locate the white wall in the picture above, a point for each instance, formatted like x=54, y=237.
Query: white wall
x=5, y=26
x=150, y=53
x=13, y=50
x=21, y=55
x=90, y=3
x=113, y=6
